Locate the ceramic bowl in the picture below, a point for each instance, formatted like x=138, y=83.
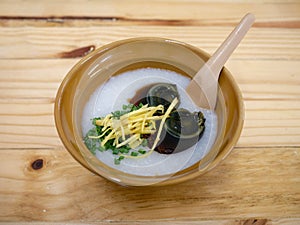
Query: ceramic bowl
x=97, y=67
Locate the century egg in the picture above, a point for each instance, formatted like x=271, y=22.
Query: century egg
x=182, y=129
x=120, y=89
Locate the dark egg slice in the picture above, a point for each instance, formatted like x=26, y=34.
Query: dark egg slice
x=162, y=94
x=182, y=130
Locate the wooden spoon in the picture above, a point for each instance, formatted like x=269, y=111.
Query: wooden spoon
x=203, y=88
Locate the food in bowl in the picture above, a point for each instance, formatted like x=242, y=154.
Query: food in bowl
x=135, y=120
x=91, y=76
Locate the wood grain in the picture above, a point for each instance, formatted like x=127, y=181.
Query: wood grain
x=63, y=190
x=258, y=184
x=257, y=79
x=278, y=221
x=187, y=12
x=267, y=79
x=51, y=42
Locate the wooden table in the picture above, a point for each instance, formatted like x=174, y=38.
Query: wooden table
x=40, y=183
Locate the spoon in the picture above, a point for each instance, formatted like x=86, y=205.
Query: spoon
x=203, y=88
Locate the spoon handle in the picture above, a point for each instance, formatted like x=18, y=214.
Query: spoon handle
x=203, y=88
x=218, y=59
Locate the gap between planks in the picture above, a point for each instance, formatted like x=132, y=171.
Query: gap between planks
x=268, y=13
x=233, y=221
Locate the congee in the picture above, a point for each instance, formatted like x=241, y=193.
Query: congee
x=142, y=122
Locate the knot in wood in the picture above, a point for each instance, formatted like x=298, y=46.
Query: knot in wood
x=37, y=164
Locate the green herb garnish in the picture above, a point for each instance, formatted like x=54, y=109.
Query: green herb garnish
x=142, y=151
x=94, y=144
x=134, y=153
x=127, y=129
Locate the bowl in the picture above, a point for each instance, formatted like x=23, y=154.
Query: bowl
x=110, y=60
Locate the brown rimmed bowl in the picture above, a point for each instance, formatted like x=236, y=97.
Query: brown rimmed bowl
x=97, y=67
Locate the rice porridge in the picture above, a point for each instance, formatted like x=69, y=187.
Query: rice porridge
x=117, y=91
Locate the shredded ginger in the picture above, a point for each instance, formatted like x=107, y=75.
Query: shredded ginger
x=128, y=129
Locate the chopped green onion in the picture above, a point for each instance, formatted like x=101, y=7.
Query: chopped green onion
x=134, y=154
x=117, y=161
x=94, y=144
x=144, y=142
x=142, y=151
x=115, y=151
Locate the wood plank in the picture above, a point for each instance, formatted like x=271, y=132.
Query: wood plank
x=55, y=42
x=28, y=124
x=32, y=79
x=257, y=79
x=249, y=183
x=188, y=11
x=266, y=79
x=271, y=123
x=277, y=221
